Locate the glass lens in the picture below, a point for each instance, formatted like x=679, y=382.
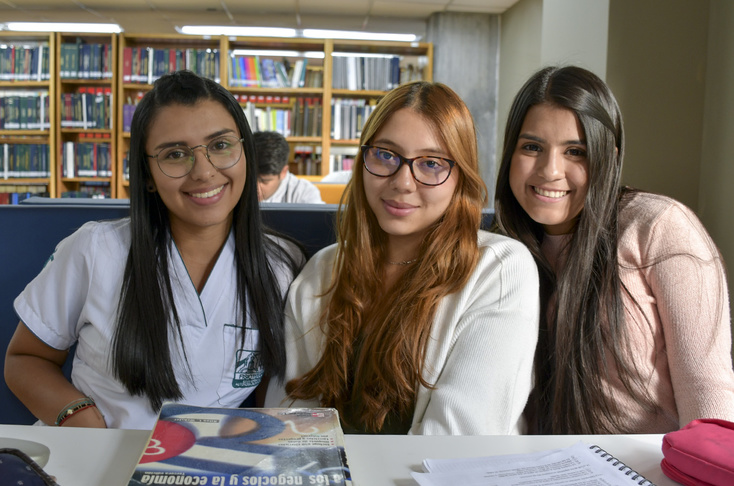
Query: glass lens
x=431, y=171
x=224, y=152
x=381, y=162
x=176, y=161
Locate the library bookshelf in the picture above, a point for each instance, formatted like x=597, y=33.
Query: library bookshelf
x=27, y=108
x=316, y=92
x=85, y=118
x=143, y=59
x=358, y=81
x=281, y=85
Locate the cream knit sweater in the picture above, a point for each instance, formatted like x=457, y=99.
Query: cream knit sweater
x=480, y=353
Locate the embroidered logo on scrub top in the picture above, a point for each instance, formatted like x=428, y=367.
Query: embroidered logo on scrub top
x=248, y=366
x=248, y=370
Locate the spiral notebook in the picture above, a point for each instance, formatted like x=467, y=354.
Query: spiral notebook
x=577, y=464
x=631, y=474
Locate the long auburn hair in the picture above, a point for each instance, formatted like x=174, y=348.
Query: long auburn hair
x=141, y=351
x=585, y=330
x=381, y=334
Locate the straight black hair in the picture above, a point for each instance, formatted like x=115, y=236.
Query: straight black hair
x=141, y=352
x=582, y=326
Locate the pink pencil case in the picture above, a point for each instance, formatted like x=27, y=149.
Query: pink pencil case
x=700, y=454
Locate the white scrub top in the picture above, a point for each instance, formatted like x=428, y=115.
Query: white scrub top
x=75, y=299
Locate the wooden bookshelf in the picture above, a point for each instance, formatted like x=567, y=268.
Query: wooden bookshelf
x=281, y=85
x=410, y=61
x=27, y=94
x=296, y=96
x=361, y=73
x=142, y=59
x=86, y=85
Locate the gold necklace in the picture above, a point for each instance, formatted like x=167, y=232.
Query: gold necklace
x=406, y=262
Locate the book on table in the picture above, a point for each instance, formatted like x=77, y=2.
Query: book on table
x=244, y=446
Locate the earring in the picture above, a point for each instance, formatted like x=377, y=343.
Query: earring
x=150, y=187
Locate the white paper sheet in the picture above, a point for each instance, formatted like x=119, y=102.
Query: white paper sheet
x=577, y=465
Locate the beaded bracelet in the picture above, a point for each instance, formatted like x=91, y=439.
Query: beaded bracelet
x=73, y=407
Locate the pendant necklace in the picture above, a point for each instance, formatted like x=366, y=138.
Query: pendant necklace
x=406, y=262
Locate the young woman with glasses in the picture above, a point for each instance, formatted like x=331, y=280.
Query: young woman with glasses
x=415, y=321
x=183, y=300
x=635, y=334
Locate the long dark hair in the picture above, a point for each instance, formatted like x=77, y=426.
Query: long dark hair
x=141, y=354
x=583, y=329
x=382, y=336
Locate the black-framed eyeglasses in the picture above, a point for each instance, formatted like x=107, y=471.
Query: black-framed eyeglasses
x=426, y=169
x=178, y=160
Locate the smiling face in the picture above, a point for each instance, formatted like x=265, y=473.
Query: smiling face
x=206, y=196
x=404, y=208
x=549, y=168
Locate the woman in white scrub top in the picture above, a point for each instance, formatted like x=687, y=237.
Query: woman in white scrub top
x=183, y=300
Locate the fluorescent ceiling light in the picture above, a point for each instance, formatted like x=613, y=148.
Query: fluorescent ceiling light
x=63, y=27
x=232, y=30
x=275, y=53
x=354, y=35
x=361, y=54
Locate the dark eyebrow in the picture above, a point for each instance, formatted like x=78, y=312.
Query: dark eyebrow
x=541, y=140
x=530, y=137
x=224, y=131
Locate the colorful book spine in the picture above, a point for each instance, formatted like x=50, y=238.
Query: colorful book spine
x=24, y=62
x=24, y=110
x=87, y=159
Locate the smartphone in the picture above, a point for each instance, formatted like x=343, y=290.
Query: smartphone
x=16, y=467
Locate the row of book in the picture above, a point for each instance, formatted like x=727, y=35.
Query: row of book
x=90, y=190
x=88, y=108
x=366, y=73
x=147, y=64
x=342, y=158
x=24, y=110
x=265, y=72
x=306, y=160
x=29, y=110
x=24, y=62
x=298, y=118
x=348, y=117
x=25, y=160
x=87, y=159
x=82, y=60
x=16, y=193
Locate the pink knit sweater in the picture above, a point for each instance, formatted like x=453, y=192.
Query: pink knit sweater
x=680, y=334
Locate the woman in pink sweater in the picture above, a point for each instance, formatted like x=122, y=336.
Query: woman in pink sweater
x=635, y=328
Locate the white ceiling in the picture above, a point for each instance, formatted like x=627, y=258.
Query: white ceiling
x=162, y=16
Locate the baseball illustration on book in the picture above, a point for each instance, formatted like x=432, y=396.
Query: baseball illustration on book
x=244, y=446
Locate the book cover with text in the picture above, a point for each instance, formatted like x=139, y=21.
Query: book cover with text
x=244, y=446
